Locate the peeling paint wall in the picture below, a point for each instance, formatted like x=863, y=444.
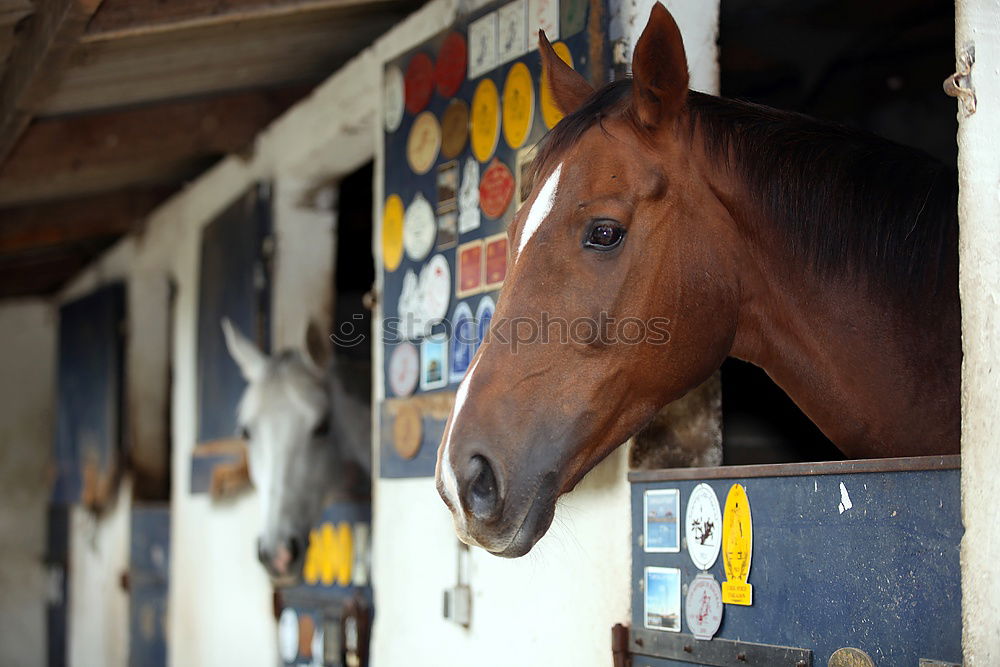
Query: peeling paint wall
x=978, y=26
x=27, y=418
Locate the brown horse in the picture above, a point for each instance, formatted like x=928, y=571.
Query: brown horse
x=822, y=254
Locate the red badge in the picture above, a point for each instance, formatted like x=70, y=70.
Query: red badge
x=451, y=63
x=419, y=82
x=496, y=261
x=470, y=268
x=496, y=189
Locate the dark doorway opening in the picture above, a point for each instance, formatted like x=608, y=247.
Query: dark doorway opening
x=876, y=66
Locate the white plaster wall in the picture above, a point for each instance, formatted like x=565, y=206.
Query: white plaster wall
x=978, y=24
x=27, y=418
x=97, y=633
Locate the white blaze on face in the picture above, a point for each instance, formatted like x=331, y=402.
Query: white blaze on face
x=540, y=209
x=447, y=471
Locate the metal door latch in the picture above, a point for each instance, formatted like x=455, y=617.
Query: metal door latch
x=959, y=84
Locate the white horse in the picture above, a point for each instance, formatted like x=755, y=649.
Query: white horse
x=307, y=425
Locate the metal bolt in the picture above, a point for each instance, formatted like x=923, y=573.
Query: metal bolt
x=638, y=641
x=687, y=648
x=742, y=657
x=801, y=663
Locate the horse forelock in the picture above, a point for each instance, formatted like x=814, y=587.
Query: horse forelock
x=287, y=381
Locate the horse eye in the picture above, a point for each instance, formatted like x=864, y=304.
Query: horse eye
x=322, y=429
x=604, y=236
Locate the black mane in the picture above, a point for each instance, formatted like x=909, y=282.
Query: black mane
x=845, y=202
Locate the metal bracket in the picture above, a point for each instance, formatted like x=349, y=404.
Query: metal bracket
x=959, y=84
x=716, y=652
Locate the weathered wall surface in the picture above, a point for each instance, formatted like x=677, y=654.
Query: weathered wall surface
x=978, y=26
x=27, y=418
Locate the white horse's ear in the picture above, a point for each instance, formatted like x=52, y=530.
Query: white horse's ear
x=317, y=347
x=251, y=361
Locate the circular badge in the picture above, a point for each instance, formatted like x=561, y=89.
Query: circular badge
x=419, y=228
x=484, y=314
x=703, y=606
x=496, y=189
x=407, y=430
x=435, y=290
x=392, y=98
x=518, y=105
x=408, y=307
x=423, y=143
x=485, y=120
x=288, y=635
x=454, y=128
x=449, y=71
x=550, y=112
x=404, y=369
x=419, y=83
x=703, y=526
x=392, y=233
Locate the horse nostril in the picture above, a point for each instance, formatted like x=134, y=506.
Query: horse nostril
x=483, y=496
x=293, y=549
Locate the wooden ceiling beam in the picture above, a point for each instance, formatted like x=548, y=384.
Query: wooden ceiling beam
x=118, y=19
x=162, y=144
x=26, y=229
x=34, y=67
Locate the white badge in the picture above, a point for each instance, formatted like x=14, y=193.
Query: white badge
x=468, y=197
x=482, y=45
x=392, y=98
x=703, y=526
x=404, y=369
x=435, y=291
x=512, y=31
x=703, y=606
x=288, y=635
x=408, y=309
x=419, y=228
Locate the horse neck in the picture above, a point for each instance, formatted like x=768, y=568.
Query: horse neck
x=879, y=377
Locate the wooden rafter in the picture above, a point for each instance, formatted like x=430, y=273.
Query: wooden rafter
x=166, y=143
x=129, y=18
x=28, y=229
x=34, y=66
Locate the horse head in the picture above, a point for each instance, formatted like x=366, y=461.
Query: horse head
x=616, y=303
x=306, y=438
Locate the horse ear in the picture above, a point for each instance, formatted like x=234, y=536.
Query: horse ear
x=317, y=347
x=659, y=69
x=569, y=88
x=251, y=361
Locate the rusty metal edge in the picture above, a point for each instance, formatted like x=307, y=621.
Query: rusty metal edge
x=716, y=652
x=901, y=464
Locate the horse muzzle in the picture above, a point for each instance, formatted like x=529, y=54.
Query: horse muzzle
x=492, y=514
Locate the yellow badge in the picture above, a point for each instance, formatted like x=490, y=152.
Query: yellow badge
x=424, y=142
x=485, y=123
x=518, y=105
x=392, y=233
x=550, y=112
x=737, y=547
